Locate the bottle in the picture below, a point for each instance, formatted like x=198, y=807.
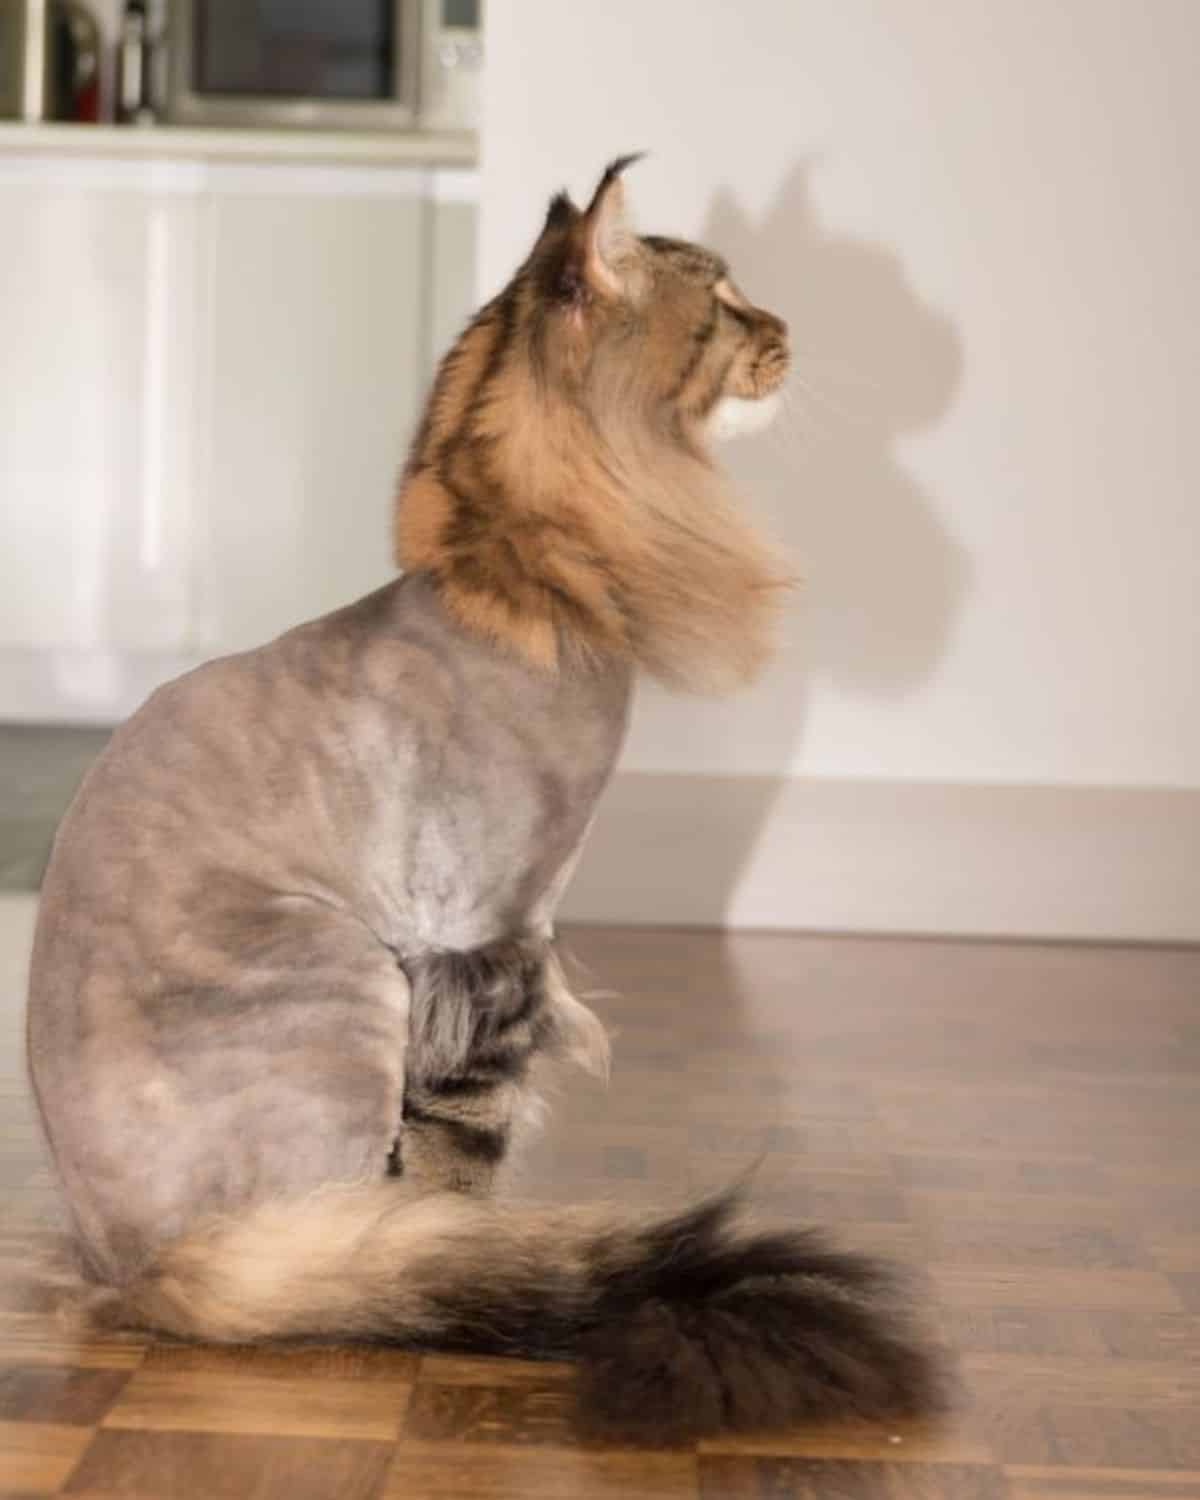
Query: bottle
x=135, y=105
x=74, y=40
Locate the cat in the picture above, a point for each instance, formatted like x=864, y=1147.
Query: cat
x=294, y=955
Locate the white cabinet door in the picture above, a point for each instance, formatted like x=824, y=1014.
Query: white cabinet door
x=314, y=371
x=98, y=307
x=209, y=374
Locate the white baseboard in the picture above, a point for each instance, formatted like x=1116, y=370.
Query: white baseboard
x=1094, y=863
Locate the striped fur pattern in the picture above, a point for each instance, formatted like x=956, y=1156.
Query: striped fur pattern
x=560, y=489
x=478, y=1021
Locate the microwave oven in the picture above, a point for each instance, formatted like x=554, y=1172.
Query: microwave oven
x=334, y=64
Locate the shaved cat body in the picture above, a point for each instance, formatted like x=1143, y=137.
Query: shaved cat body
x=294, y=955
x=221, y=1004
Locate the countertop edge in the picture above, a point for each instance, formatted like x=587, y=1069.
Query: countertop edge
x=173, y=142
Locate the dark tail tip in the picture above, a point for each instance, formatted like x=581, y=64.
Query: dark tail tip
x=752, y=1331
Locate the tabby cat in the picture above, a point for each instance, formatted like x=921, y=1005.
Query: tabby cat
x=294, y=953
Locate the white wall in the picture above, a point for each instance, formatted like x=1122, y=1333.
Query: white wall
x=981, y=220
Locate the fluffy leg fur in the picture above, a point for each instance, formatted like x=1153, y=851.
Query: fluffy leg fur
x=681, y=1326
x=479, y=1019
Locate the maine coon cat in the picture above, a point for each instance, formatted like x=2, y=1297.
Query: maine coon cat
x=295, y=948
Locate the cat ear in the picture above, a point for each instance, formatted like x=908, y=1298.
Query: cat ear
x=560, y=213
x=608, y=241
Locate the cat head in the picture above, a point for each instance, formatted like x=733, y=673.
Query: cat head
x=655, y=325
x=560, y=492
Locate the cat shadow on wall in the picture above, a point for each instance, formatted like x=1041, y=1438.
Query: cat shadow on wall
x=882, y=581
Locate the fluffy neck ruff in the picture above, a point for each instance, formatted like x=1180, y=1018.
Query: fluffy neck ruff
x=568, y=538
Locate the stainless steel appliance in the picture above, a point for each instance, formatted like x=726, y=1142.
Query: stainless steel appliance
x=336, y=64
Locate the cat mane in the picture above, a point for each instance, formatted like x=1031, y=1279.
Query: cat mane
x=555, y=516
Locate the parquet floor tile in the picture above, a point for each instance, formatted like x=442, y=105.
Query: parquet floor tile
x=1016, y=1123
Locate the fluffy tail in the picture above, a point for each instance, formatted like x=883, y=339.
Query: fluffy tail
x=681, y=1326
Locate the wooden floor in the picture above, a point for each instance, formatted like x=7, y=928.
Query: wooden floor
x=1019, y=1121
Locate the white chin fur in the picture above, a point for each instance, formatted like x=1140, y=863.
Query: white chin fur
x=735, y=416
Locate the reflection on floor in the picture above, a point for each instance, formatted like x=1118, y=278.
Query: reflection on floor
x=1019, y=1122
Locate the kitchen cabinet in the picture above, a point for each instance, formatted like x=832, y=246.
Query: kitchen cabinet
x=210, y=370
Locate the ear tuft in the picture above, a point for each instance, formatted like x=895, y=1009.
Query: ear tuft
x=609, y=243
x=617, y=166
x=560, y=212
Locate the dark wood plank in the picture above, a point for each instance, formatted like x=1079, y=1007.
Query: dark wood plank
x=436, y=1471
x=1033, y=1482
x=37, y=1456
x=206, y=1466
x=520, y=1414
x=730, y=1477
x=303, y=1406
x=56, y=1393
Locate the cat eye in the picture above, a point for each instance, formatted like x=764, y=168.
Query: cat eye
x=740, y=314
x=727, y=293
